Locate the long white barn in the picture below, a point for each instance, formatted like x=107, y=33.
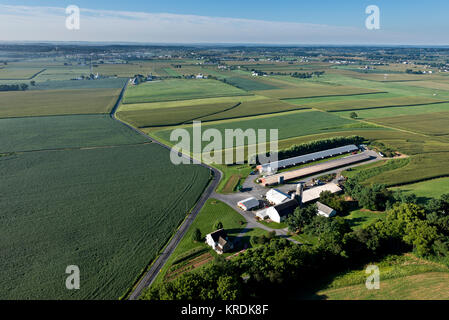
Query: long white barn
x=274, y=166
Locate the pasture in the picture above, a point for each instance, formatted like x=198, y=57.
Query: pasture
x=60, y=132
x=176, y=89
x=78, y=207
x=57, y=102
x=434, y=188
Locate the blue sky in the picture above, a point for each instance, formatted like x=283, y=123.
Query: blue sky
x=402, y=21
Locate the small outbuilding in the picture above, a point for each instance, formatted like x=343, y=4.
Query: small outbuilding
x=325, y=211
x=248, y=204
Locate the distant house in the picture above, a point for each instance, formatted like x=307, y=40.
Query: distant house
x=276, y=197
x=200, y=76
x=219, y=241
x=325, y=211
x=248, y=204
x=280, y=212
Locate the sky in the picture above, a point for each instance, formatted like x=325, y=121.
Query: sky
x=297, y=22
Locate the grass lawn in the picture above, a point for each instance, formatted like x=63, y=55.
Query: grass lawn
x=427, y=189
x=108, y=211
x=212, y=212
x=274, y=225
x=57, y=102
x=361, y=218
x=177, y=89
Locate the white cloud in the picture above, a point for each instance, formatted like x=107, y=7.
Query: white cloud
x=22, y=23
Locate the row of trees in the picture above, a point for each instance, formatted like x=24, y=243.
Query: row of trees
x=14, y=87
x=280, y=265
x=307, y=75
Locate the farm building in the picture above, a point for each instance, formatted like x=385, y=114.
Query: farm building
x=219, y=241
x=273, y=166
x=248, y=204
x=280, y=212
x=325, y=211
x=314, y=169
x=314, y=193
x=275, y=196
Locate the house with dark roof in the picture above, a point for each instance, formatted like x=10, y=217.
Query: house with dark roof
x=219, y=241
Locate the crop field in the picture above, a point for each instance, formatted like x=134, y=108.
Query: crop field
x=427, y=189
x=250, y=84
x=288, y=123
x=311, y=89
x=385, y=112
x=109, y=83
x=171, y=116
x=369, y=101
x=435, y=123
x=172, y=90
x=62, y=73
x=57, y=102
x=78, y=207
x=439, y=85
x=385, y=77
x=59, y=132
x=11, y=73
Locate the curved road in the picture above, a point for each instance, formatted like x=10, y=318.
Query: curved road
x=157, y=265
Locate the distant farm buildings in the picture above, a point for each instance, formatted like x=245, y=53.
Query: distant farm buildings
x=274, y=166
x=219, y=241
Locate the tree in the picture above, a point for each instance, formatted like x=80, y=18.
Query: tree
x=301, y=218
x=354, y=115
x=33, y=83
x=196, y=236
x=218, y=225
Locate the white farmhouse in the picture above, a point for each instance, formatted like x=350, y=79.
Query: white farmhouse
x=219, y=241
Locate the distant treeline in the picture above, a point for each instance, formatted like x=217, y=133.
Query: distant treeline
x=14, y=87
x=318, y=145
x=307, y=75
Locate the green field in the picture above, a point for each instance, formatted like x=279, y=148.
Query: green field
x=57, y=102
x=109, y=83
x=250, y=84
x=361, y=218
x=427, y=189
x=38, y=133
x=15, y=73
x=397, y=111
x=172, y=90
x=290, y=124
x=80, y=208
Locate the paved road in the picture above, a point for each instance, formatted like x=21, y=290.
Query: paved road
x=157, y=265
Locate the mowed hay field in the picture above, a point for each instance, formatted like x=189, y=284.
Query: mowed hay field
x=108, y=211
x=59, y=132
x=404, y=277
x=57, y=102
x=427, y=286
x=172, y=90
